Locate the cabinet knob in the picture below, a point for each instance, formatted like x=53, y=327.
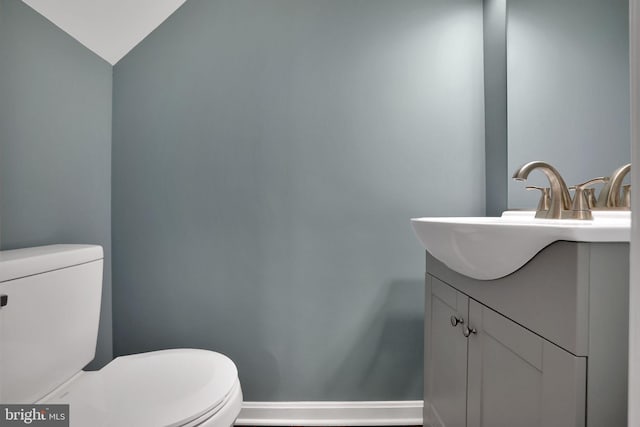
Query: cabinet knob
x=455, y=321
x=467, y=332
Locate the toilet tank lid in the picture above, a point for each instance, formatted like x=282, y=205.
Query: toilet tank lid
x=18, y=263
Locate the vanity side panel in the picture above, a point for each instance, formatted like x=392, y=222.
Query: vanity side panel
x=608, y=335
x=543, y=296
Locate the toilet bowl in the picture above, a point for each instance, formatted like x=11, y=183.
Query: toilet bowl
x=50, y=321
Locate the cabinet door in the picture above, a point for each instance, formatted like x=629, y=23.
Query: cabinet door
x=517, y=378
x=447, y=370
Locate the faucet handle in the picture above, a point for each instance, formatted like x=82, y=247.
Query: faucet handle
x=626, y=196
x=545, y=197
x=584, y=198
x=590, y=194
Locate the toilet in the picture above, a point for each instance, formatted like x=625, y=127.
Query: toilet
x=49, y=313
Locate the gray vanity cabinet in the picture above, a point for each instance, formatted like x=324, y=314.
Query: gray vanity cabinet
x=516, y=378
x=501, y=374
x=542, y=347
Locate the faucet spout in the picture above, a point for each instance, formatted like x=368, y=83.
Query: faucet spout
x=560, y=197
x=610, y=194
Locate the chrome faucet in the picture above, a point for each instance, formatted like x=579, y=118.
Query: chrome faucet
x=560, y=197
x=610, y=194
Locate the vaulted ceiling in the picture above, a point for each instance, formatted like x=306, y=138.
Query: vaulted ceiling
x=110, y=28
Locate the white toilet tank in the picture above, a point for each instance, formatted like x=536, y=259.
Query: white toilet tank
x=49, y=314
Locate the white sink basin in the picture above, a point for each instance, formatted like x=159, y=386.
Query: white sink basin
x=488, y=248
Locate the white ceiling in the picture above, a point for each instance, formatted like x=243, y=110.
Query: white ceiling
x=110, y=28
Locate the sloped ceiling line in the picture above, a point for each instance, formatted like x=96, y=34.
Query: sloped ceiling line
x=109, y=28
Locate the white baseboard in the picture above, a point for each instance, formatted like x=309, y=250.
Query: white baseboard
x=392, y=413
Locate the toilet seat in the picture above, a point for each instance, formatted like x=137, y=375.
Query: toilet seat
x=224, y=415
x=171, y=388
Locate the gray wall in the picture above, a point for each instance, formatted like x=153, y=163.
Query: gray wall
x=495, y=105
x=568, y=84
x=55, y=143
x=267, y=157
